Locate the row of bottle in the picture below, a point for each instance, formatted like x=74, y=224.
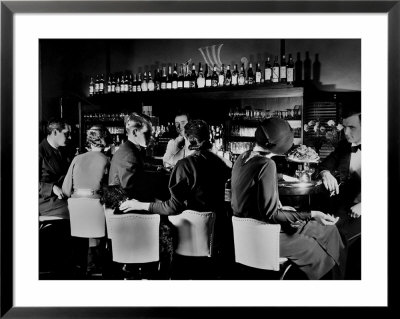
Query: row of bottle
x=185, y=79
x=247, y=113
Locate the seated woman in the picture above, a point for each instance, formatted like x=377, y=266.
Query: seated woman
x=308, y=239
x=197, y=181
x=88, y=171
x=86, y=176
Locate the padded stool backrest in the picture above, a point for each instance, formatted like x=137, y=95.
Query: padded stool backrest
x=256, y=243
x=86, y=217
x=108, y=212
x=135, y=238
x=196, y=232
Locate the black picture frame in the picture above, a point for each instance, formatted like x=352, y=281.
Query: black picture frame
x=9, y=8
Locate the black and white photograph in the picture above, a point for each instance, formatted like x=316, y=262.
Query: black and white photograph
x=197, y=158
x=214, y=159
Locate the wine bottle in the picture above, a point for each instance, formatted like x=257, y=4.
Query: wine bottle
x=307, y=67
x=91, y=87
x=282, y=70
x=193, y=77
x=134, y=83
x=298, y=67
x=175, y=78
x=130, y=83
x=109, y=90
x=144, y=83
x=101, y=85
x=96, y=85
x=122, y=84
x=201, y=81
x=169, y=78
x=228, y=76
x=208, y=77
x=113, y=84
x=150, y=82
x=275, y=71
x=221, y=76
x=157, y=80
x=250, y=75
x=290, y=70
x=267, y=71
x=242, y=76
x=164, y=79
x=235, y=75
x=258, y=74
x=181, y=77
x=214, y=77
x=118, y=86
x=186, y=82
x=139, y=83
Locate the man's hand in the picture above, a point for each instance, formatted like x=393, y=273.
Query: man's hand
x=58, y=192
x=133, y=204
x=323, y=219
x=355, y=210
x=180, y=141
x=330, y=182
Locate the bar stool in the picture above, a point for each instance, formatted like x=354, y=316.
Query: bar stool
x=195, y=244
x=135, y=242
x=257, y=245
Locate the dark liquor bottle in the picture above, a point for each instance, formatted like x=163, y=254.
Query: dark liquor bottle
x=193, y=77
x=298, y=69
x=258, y=74
x=109, y=90
x=214, y=77
x=282, y=70
x=157, y=80
x=130, y=83
x=275, y=71
x=290, y=70
x=267, y=71
x=91, y=86
x=164, y=79
x=307, y=67
x=228, y=191
x=113, y=84
x=169, y=78
x=122, y=84
x=181, y=77
x=118, y=86
x=235, y=75
x=201, y=81
x=144, y=83
x=208, y=77
x=97, y=85
x=101, y=84
x=221, y=76
x=186, y=82
x=242, y=76
x=316, y=69
x=228, y=76
x=139, y=83
x=175, y=78
x=250, y=75
x=134, y=84
x=150, y=83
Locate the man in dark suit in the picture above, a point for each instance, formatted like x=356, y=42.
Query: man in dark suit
x=341, y=175
x=127, y=164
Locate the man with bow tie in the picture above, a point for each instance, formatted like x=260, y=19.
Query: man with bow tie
x=344, y=163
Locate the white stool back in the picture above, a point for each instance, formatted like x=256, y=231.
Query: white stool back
x=86, y=217
x=196, y=232
x=134, y=238
x=256, y=243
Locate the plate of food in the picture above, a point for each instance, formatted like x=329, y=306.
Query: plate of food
x=303, y=154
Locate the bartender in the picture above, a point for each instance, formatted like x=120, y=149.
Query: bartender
x=177, y=148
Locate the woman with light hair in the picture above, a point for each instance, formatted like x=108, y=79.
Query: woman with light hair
x=88, y=171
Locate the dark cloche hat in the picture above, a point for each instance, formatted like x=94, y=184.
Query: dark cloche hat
x=275, y=135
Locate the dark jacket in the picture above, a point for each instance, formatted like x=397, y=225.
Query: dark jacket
x=53, y=165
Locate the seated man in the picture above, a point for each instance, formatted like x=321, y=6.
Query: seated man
x=53, y=165
x=344, y=163
x=177, y=148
